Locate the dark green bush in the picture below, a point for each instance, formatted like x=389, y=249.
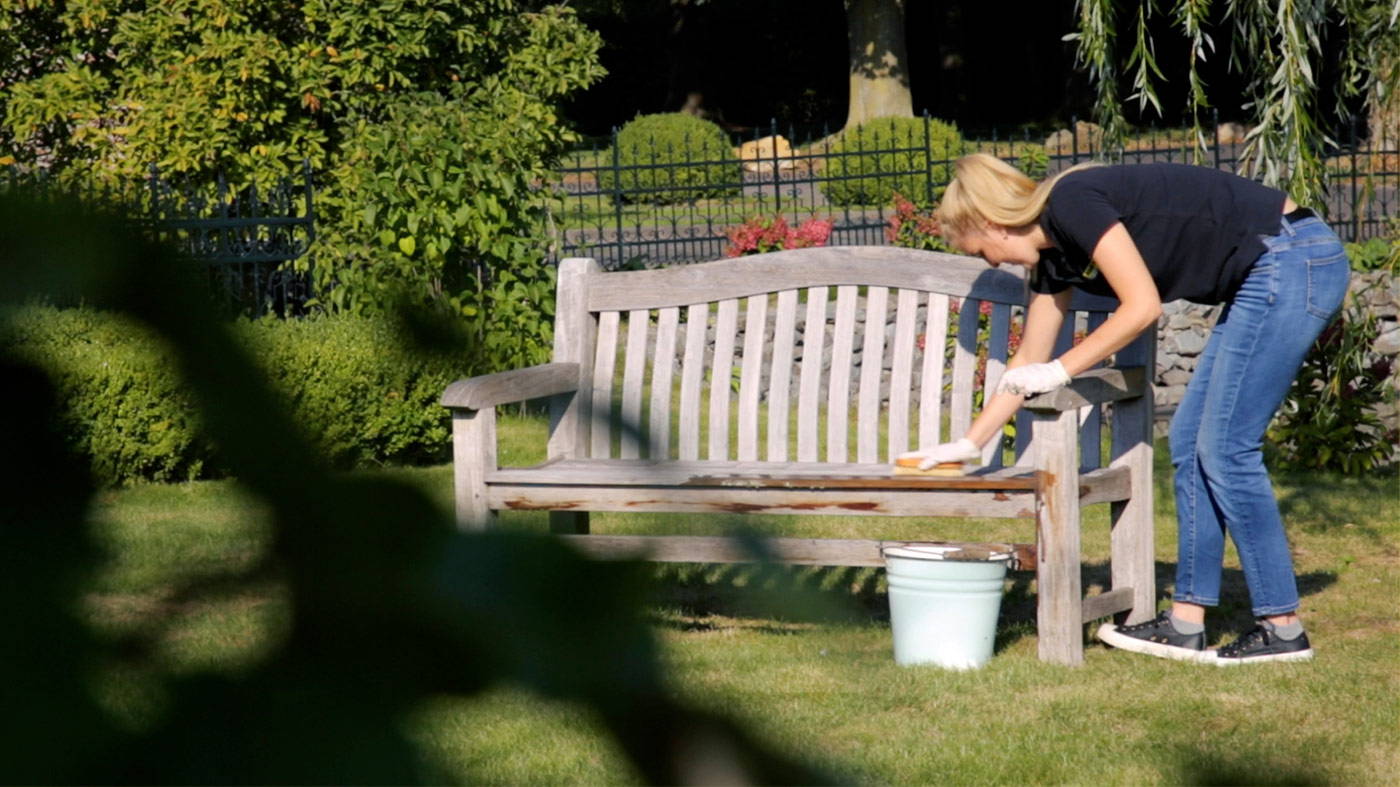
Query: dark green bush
x=672, y=157
x=360, y=398
x=857, y=172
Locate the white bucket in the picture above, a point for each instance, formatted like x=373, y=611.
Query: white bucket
x=944, y=603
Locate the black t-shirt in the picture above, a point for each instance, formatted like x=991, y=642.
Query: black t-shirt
x=1198, y=229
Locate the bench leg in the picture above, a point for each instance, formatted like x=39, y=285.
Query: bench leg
x=473, y=456
x=1132, y=539
x=1059, y=589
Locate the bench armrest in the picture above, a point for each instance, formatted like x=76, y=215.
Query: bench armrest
x=517, y=385
x=1095, y=386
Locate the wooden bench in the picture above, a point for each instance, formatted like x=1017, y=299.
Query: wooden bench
x=786, y=383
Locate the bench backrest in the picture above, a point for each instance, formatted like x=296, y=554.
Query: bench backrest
x=836, y=354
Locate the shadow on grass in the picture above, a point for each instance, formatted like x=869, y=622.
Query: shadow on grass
x=697, y=594
x=1247, y=767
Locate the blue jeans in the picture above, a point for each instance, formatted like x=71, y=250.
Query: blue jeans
x=1292, y=292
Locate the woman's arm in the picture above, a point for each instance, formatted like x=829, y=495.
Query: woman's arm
x=1122, y=266
x=1044, y=315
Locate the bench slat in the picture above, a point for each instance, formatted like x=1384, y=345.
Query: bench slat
x=751, y=375
x=662, y=373
x=872, y=355
x=931, y=382
x=838, y=385
x=964, y=368
x=633, y=369
x=692, y=374
x=604, y=365
x=780, y=375
x=721, y=376
x=902, y=371
x=997, y=340
x=809, y=386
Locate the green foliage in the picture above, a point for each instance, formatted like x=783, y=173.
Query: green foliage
x=859, y=169
x=427, y=121
x=1034, y=160
x=356, y=396
x=672, y=157
x=1329, y=420
x=1377, y=253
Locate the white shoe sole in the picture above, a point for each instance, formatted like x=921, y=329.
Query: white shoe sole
x=1108, y=634
x=1301, y=655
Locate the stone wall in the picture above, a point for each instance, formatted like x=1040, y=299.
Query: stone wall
x=1184, y=328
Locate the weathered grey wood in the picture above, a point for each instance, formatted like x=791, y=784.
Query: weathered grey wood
x=1091, y=426
x=1095, y=386
x=838, y=399
x=604, y=364
x=1105, y=485
x=809, y=383
x=751, y=375
x=797, y=551
x=1105, y=604
x=1058, y=583
x=575, y=332
x=704, y=472
x=517, y=385
x=634, y=368
x=872, y=365
x=998, y=339
x=662, y=372
x=721, y=376
x=780, y=375
x=931, y=385
x=1131, y=541
x=902, y=371
x=964, y=369
x=473, y=457
x=760, y=500
x=692, y=375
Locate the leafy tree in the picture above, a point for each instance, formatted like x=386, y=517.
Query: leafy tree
x=429, y=122
x=1279, y=47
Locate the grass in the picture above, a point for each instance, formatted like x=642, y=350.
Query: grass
x=818, y=678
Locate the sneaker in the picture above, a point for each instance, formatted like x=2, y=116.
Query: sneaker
x=1260, y=644
x=1157, y=637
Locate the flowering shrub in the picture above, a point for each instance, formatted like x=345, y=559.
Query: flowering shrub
x=912, y=229
x=762, y=235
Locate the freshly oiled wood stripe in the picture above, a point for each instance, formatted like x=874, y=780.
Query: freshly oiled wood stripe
x=871, y=366
x=902, y=370
x=931, y=385
x=604, y=363
x=964, y=369
x=809, y=385
x=633, y=369
x=692, y=374
x=662, y=372
x=838, y=400
x=1091, y=430
x=721, y=376
x=780, y=375
x=797, y=551
x=751, y=375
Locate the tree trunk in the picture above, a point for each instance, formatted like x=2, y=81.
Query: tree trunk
x=879, y=62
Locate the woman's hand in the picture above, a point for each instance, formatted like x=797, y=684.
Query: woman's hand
x=963, y=450
x=1033, y=378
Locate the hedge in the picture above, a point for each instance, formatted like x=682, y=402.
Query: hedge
x=356, y=394
x=893, y=155
x=671, y=158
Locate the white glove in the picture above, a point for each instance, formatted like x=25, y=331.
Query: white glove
x=963, y=450
x=1033, y=378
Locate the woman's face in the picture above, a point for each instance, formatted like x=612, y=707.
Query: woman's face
x=997, y=245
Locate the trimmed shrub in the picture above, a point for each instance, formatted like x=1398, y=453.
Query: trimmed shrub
x=872, y=162
x=672, y=157
x=355, y=392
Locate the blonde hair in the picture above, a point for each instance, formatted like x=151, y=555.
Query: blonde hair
x=987, y=189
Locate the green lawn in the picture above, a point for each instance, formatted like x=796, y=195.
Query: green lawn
x=820, y=680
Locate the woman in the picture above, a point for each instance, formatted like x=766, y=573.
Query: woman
x=1146, y=234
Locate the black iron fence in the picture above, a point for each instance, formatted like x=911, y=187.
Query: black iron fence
x=653, y=212
x=243, y=237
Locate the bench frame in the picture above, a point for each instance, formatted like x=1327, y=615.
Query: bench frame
x=582, y=474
